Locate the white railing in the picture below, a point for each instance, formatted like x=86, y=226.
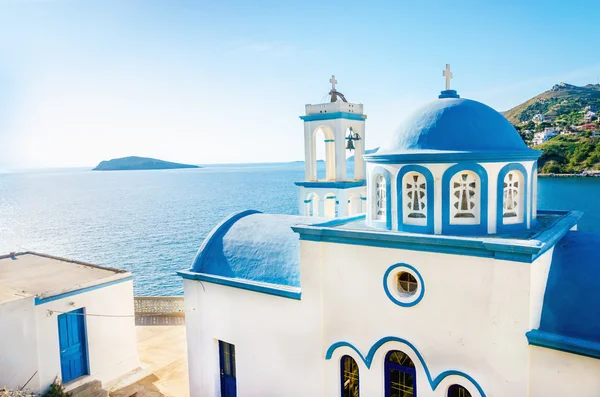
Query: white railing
x=168, y=306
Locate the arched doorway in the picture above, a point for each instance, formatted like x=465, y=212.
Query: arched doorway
x=326, y=149
x=400, y=375
x=311, y=205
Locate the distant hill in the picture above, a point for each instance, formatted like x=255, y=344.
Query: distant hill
x=139, y=163
x=561, y=100
x=567, y=154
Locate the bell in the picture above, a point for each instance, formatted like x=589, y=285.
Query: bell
x=350, y=144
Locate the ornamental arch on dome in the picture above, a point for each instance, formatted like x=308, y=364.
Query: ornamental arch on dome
x=415, y=196
x=465, y=199
x=379, y=190
x=512, y=198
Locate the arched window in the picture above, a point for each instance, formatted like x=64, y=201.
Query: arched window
x=465, y=198
x=458, y=391
x=380, y=198
x=415, y=199
x=512, y=203
x=400, y=375
x=349, y=375
x=534, y=194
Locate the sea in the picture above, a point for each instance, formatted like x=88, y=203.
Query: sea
x=153, y=222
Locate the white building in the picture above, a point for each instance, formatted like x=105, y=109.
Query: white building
x=589, y=116
x=452, y=283
x=538, y=118
x=541, y=137
x=341, y=125
x=66, y=319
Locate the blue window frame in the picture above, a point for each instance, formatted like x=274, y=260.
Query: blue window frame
x=349, y=377
x=421, y=196
x=400, y=375
x=227, y=364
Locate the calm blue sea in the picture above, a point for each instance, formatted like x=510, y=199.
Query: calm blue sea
x=152, y=222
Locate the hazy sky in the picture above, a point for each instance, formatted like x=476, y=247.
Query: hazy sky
x=225, y=81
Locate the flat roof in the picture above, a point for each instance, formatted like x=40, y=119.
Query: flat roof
x=26, y=274
x=524, y=246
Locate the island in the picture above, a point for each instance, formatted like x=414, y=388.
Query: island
x=139, y=163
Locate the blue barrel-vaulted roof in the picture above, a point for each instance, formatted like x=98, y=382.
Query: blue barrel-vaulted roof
x=253, y=247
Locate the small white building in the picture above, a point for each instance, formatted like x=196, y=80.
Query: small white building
x=589, y=116
x=64, y=319
x=538, y=118
x=541, y=137
x=452, y=284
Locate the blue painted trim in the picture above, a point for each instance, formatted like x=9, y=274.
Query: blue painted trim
x=482, y=227
x=567, y=344
x=517, y=250
x=429, y=228
x=329, y=140
x=242, y=284
x=433, y=382
x=515, y=227
x=534, y=172
x=448, y=94
x=387, y=224
x=217, y=233
x=392, y=297
x=41, y=301
x=334, y=115
x=424, y=156
x=363, y=198
x=332, y=184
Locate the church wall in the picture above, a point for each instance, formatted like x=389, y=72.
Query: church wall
x=278, y=343
x=18, y=345
x=112, y=348
x=472, y=318
x=539, y=277
x=556, y=373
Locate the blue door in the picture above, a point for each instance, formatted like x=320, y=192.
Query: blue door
x=400, y=375
x=227, y=363
x=73, y=345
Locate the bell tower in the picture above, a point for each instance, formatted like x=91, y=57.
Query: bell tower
x=341, y=125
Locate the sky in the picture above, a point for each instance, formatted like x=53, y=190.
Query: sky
x=224, y=81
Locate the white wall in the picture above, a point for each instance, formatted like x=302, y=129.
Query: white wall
x=18, y=344
x=473, y=317
x=111, y=340
x=556, y=373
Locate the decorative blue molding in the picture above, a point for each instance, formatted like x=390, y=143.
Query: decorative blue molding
x=438, y=157
x=243, y=284
x=41, y=301
x=395, y=299
x=334, y=115
x=482, y=227
x=433, y=382
x=429, y=228
x=329, y=140
x=567, y=344
x=500, y=226
x=448, y=94
x=217, y=233
x=332, y=184
x=387, y=224
x=517, y=250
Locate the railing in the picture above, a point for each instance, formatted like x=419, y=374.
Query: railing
x=159, y=306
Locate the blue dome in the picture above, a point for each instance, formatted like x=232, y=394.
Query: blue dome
x=455, y=124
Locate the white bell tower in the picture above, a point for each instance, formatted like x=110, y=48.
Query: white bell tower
x=343, y=127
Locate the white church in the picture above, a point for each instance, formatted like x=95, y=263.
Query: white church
x=429, y=272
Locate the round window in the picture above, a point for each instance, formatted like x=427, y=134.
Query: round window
x=407, y=283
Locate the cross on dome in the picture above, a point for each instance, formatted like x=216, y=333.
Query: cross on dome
x=333, y=82
x=448, y=75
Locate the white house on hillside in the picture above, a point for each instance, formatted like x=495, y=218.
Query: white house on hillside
x=541, y=137
x=452, y=284
x=66, y=319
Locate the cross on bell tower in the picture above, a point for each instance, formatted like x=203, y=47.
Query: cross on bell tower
x=333, y=82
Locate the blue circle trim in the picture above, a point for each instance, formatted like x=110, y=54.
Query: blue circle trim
x=391, y=296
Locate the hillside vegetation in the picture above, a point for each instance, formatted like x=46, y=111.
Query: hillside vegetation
x=562, y=110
